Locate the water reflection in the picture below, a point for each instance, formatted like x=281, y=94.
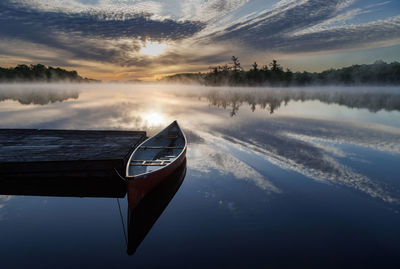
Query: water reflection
x=308, y=174
x=314, y=156
x=210, y=158
x=271, y=99
x=291, y=140
x=26, y=94
x=142, y=218
x=3, y=202
x=58, y=185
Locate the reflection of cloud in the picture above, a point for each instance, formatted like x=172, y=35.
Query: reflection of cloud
x=116, y=116
x=35, y=94
x=230, y=206
x=320, y=143
x=296, y=153
x=222, y=144
x=193, y=138
x=375, y=139
x=206, y=159
x=4, y=198
x=3, y=201
x=100, y=106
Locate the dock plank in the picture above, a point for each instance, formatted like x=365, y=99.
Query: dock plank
x=39, y=151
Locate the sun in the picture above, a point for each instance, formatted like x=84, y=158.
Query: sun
x=153, y=119
x=153, y=48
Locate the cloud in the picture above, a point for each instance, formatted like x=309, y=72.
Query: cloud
x=197, y=33
x=209, y=10
x=92, y=35
x=25, y=22
x=302, y=26
x=283, y=19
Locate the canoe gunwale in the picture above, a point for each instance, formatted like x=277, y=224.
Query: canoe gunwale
x=183, y=151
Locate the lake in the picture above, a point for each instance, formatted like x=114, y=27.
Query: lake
x=279, y=178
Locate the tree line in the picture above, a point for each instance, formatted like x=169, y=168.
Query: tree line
x=39, y=73
x=273, y=74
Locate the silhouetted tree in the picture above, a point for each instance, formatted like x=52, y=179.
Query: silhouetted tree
x=236, y=64
x=255, y=67
x=373, y=74
x=275, y=67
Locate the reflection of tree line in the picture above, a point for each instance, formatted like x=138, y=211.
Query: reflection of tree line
x=272, y=100
x=38, y=97
x=232, y=74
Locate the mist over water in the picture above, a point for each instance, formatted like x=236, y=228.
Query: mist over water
x=40, y=94
x=316, y=167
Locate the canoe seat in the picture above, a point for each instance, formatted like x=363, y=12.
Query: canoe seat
x=167, y=157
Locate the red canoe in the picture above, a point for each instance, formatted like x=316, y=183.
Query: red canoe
x=154, y=160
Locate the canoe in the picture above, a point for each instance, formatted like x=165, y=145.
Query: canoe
x=154, y=160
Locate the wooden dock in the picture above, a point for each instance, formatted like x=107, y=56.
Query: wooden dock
x=58, y=157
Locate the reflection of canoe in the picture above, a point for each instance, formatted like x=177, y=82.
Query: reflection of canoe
x=142, y=218
x=153, y=160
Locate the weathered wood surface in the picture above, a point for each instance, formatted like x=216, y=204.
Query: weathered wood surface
x=30, y=151
x=28, y=145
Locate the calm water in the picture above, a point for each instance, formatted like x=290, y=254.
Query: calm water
x=275, y=178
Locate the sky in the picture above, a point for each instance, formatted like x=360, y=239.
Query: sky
x=131, y=40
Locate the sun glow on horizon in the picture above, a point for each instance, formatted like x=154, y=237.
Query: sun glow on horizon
x=153, y=48
x=154, y=119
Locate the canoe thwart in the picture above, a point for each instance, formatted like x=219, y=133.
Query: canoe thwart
x=149, y=164
x=150, y=161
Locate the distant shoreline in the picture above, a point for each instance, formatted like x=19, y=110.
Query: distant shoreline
x=274, y=75
x=233, y=75
x=40, y=73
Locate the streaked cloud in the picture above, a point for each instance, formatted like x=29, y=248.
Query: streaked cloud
x=310, y=26
x=209, y=10
x=36, y=25
x=195, y=33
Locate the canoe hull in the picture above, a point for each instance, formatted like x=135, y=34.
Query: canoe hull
x=139, y=186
